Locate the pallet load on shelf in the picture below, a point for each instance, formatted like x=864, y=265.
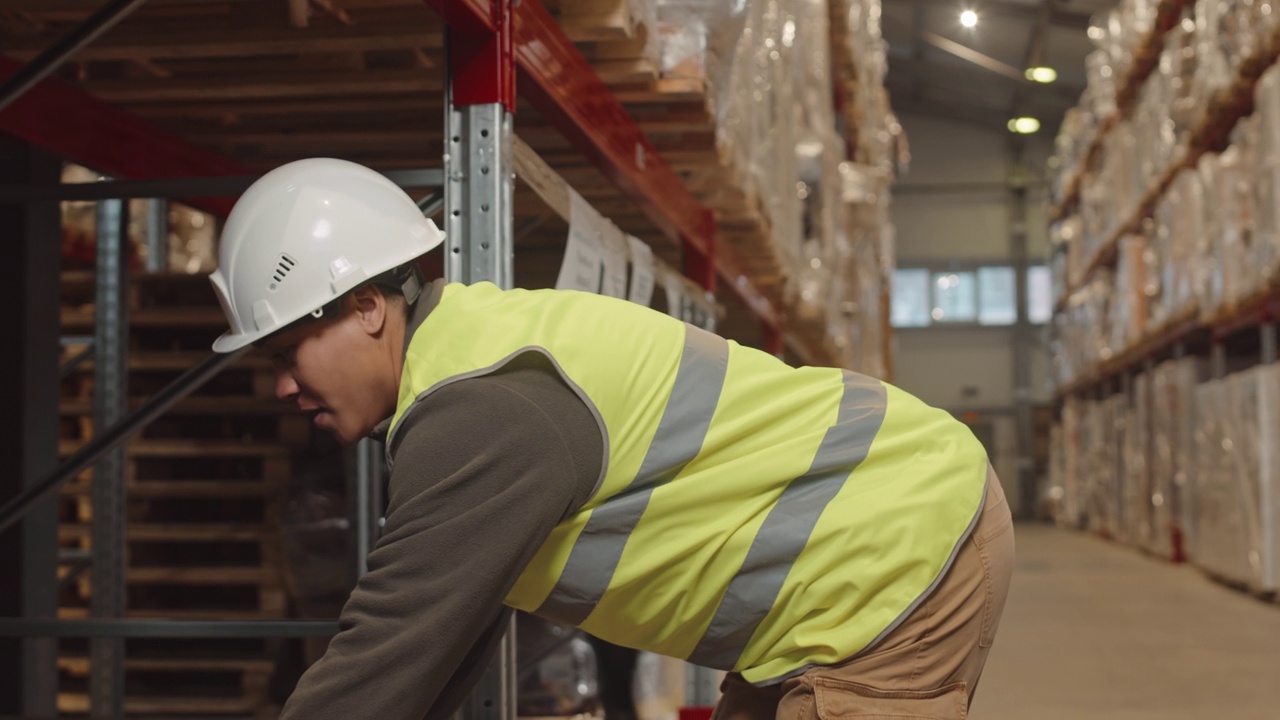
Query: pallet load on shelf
x=1104, y=317
x=1236, y=488
x=767, y=64
x=1171, y=455
x=1066, y=465
x=1123, y=464
x=862, y=265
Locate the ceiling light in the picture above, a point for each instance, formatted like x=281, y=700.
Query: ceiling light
x=969, y=18
x=1024, y=125
x=1042, y=74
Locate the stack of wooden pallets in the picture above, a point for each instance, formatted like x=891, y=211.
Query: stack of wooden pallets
x=204, y=484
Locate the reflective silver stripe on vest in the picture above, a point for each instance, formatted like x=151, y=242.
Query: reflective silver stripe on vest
x=786, y=530
x=678, y=439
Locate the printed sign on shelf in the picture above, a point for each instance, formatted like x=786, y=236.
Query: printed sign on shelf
x=583, y=264
x=641, y=271
x=614, y=255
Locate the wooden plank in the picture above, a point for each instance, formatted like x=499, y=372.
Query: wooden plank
x=592, y=20
x=154, y=489
x=183, y=706
x=181, y=361
x=183, y=448
x=81, y=613
x=153, y=317
x=79, y=664
x=267, y=86
x=200, y=575
x=183, y=532
x=626, y=71
x=198, y=405
x=663, y=91
x=415, y=30
x=372, y=105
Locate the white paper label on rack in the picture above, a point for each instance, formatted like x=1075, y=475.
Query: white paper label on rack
x=583, y=264
x=675, y=298
x=641, y=271
x=615, y=262
x=708, y=321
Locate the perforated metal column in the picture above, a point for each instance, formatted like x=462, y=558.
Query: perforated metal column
x=479, y=247
x=110, y=393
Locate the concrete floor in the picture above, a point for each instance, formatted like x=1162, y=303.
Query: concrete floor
x=1094, y=630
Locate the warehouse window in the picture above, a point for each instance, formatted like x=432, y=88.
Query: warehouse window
x=910, y=303
x=998, y=296
x=955, y=297
x=1039, y=294
x=986, y=295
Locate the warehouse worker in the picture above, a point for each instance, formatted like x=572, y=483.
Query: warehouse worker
x=835, y=544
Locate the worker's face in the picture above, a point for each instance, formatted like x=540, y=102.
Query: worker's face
x=338, y=371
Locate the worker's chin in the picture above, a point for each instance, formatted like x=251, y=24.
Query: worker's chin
x=333, y=424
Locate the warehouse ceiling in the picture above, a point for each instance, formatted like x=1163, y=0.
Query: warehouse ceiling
x=938, y=67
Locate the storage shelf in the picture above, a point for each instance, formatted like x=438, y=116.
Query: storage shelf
x=1145, y=61
x=1251, y=312
x=1210, y=134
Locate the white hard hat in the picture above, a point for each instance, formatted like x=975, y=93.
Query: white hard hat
x=305, y=234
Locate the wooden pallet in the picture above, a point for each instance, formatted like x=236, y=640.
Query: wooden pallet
x=204, y=485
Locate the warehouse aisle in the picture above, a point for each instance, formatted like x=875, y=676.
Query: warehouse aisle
x=1094, y=630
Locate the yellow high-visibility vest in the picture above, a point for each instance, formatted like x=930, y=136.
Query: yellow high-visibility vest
x=749, y=516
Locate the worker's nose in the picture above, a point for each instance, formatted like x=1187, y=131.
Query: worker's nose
x=286, y=386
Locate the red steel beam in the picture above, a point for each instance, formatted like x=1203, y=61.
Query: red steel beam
x=85, y=130
x=481, y=63
x=565, y=89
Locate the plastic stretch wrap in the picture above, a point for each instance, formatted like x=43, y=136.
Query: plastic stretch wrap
x=1069, y=508
x=1234, y=272
x=1178, y=251
x=863, y=234
x=1108, y=198
x=879, y=136
x=1216, y=48
x=1138, y=511
x=1177, y=71
x=1267, y=109
x=1265, y=188
x=1170, y=455
x=1082, y=336
x=1234, y=510
x=1102, y=439
x=1128, y=305
x=767, y=64
x=1074, y=136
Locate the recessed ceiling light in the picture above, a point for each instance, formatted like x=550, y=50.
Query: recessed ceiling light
x=1024, y=125
x=1042, y=74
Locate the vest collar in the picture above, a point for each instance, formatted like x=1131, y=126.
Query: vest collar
x=426, y=303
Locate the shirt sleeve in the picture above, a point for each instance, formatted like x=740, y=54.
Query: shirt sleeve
x=484, y=470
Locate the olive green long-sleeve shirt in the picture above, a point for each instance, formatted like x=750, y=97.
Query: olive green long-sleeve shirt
x=484, y=469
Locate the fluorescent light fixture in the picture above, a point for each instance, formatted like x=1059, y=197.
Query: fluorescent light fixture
x=969, y=18
x=1042, y=74
x=1024, y=125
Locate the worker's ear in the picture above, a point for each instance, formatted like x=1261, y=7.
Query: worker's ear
x=370, y=308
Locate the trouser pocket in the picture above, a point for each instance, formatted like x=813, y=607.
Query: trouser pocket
x=841, y=699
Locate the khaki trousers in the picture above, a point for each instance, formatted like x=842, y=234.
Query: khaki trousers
x=928, y=667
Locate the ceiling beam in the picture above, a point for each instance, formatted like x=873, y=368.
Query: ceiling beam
x=936, y=62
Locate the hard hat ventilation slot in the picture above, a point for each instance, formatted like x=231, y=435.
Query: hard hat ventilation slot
x=283, y=266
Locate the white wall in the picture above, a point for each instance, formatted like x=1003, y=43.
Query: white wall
x=966, y=370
